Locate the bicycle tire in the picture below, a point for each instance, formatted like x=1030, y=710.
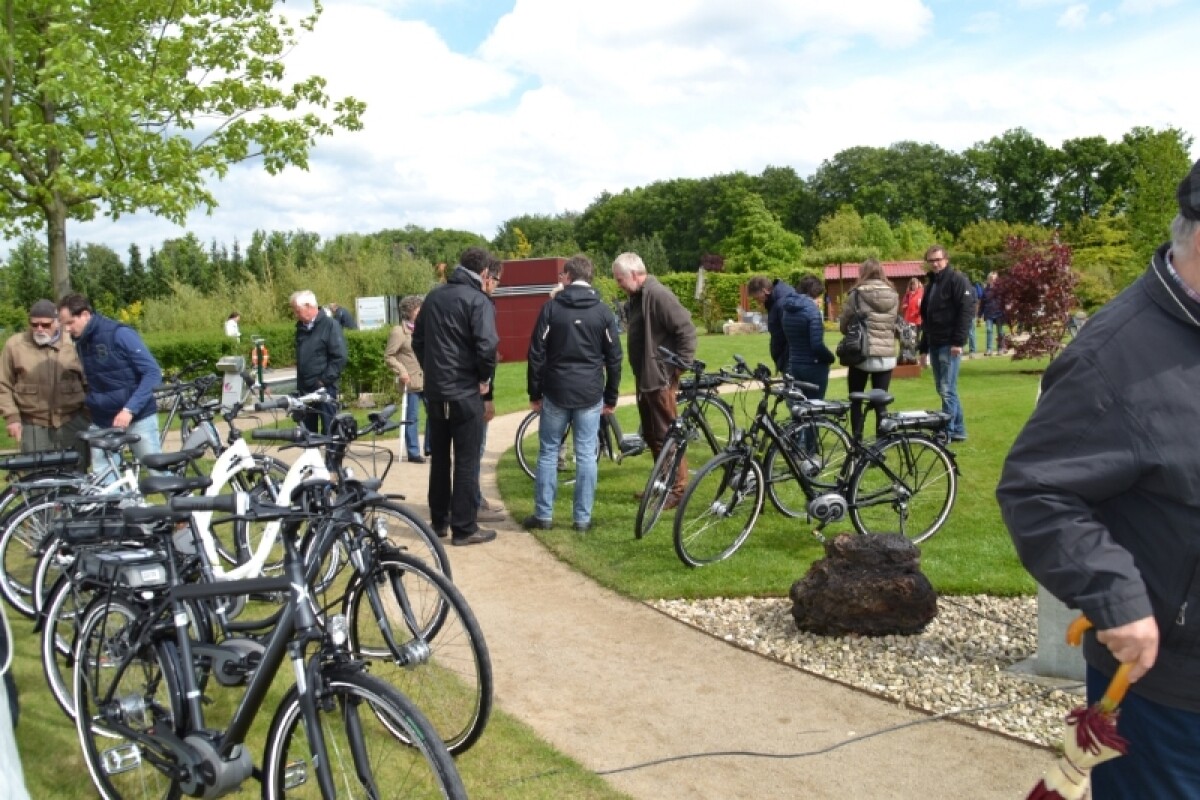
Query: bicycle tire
x=60, y=623
x=115, y=699
x=719, y=509
x=390, y=752
x=528, y=446
x=439, y=659
x=718, y=417
x=821, y=449
x=262, y=483
x=907, y=485
x=20, y=542
x=660, y=483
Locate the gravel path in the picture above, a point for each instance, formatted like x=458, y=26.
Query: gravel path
x=961, y=661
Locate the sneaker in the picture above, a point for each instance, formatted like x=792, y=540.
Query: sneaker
x=491, y=505
x=478, y=537
x=442, y=532
x=490, y=516
x=958, y=438
x=582, y=527
x=416, y=459
x=533, y=522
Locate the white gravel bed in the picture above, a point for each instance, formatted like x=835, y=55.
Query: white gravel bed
x=960, y=662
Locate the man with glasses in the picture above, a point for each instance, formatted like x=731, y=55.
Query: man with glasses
x=41, y=386
x=948, y=316
x=455, y=341
x=120, y=372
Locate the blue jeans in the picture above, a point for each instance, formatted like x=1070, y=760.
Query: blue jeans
x=994, y=327
x=147, y=428
x=1162, y=749
x=971, y=338
x=817, y=374
x=945, y=378
x=412, y=415
x=585, y=432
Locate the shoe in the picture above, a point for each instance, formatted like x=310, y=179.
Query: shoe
x=672, y=502
x=536, y=523
x=442, y=532
x=582, y=527
x=491, y=516
x=478, y=537
x=957, y=438
x=416, y=459
x=492, y=505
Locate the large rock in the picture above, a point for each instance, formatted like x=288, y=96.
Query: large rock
x=869, y=585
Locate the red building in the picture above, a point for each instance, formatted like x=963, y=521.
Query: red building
x=524, y=288
x=840, y=279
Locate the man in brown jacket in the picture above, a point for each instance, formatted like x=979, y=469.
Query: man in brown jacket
x=42, y=386
x=656, y=319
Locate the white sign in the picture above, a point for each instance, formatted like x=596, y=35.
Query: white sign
x=372, y=312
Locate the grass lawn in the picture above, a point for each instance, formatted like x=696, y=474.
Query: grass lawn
x=972, y=554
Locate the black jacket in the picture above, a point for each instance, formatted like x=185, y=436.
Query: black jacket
x=947, y=309
x=1101, y=490
x=320, y=355
x=455, y=338
x=575, y=353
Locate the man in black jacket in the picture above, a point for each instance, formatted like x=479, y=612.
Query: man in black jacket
x=1101, y=494
x=948, y=316
x=573, y=376
x=455, y=342
x=320, y=357
x=771, y=295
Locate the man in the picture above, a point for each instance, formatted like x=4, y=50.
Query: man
x=41, y=386
x=342, y=317
x=948, y=315
x=320, y=357
x=455, y=340
x=573, y=375
x=488, y=510
x=120, y=373
x=656, y=318
x=1099, y=493
x=771, y=296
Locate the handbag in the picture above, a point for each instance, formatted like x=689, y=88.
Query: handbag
x=852, y=350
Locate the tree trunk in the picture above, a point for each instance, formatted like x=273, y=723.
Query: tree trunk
x=56, y=244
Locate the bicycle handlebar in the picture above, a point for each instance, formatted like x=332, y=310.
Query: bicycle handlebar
x=290, y=435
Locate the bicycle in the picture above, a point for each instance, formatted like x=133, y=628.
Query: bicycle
x=704, y=417
x=138, y=691
x=905, y=480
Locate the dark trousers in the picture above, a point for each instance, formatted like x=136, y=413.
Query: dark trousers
x=454, y=439
x=321, y=414
x=657, y=410
x=1161, y=762
x=856, y=380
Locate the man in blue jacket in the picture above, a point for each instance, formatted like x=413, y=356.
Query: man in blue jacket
x=120, y=371
x=573, y=376
x=772, y=296
x=320, y=356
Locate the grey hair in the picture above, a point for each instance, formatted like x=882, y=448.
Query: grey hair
x=304, y=297
x=409, y=304
x=1183, y=235
x=629, y=264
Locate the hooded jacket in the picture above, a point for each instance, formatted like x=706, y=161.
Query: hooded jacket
x=780, y=292
x=805, y=331
x=947, y=309
x=320, y=354
x=880, y=302
x=455, y=338
x=575, y=351
x=1101, y=490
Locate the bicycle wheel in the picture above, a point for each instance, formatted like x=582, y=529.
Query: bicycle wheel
x=60, y=622
x=378, y=745
x=19, y=544
x=417, y=633
x=528, y=447
x=718, y=419
x=820, y=449
x=659, y=484
x=719, y=509
x=907, y=485
x=236, y=541
x=123, y=689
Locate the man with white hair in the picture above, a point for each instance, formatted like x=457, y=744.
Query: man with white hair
x=42, y=386
x=655, y=318
x=320, y=356
x=1101, y=493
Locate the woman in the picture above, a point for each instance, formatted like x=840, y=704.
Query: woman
x=803, y=326
x=874, y=296
x=401, y=360
x=910, y=307
x=231, y=326
x=993, y=317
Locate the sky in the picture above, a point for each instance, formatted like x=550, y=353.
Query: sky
x=482, y=110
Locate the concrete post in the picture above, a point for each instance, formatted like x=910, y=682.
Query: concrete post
x=1055, y=658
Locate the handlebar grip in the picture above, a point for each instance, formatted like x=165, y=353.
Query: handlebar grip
x=391, y=426
x=293, y=435
x=223, y=503
x=271, y=405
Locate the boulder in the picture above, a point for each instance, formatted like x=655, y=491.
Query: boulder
x=869, y=585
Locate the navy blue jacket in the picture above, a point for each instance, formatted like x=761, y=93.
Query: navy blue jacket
x=120, y=371
x=780, y=292
x=805, y=331
x=575, y=352
x=320, y=355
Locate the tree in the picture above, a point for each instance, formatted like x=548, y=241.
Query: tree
x=1160, y=160
x=546, y=235
x=843, y=229
x=1102, y=257
x=129, y=105
x=758, y=242
x=26, y=275
x=1037, y=293
x=1019, y=169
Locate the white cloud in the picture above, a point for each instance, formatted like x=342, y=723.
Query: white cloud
x=1074, y=17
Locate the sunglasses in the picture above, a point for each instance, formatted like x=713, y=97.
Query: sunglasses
x=46, y=325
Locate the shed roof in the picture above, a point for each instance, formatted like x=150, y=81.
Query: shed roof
x=891, y=269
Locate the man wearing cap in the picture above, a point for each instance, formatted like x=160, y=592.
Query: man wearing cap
x=41, y=386
x=1101, y=495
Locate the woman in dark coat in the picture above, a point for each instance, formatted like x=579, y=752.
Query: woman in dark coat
x=803, y=325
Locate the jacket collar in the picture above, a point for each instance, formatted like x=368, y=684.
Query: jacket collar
x=1166, y=291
